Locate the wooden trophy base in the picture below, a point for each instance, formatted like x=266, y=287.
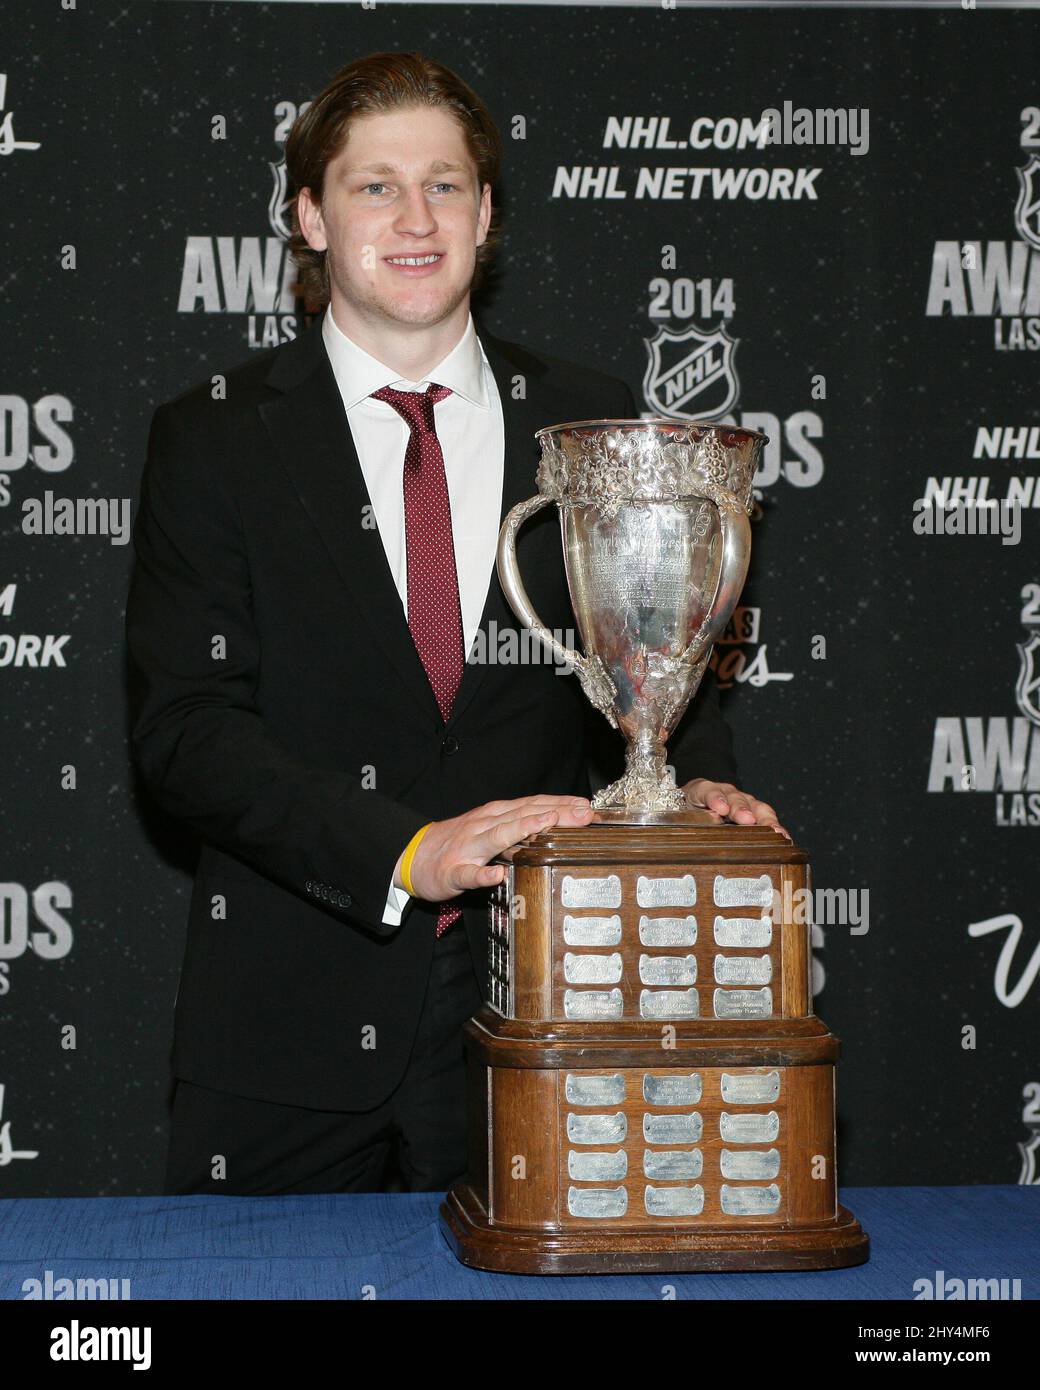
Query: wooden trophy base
x=649, y=1089
x=475, y=1241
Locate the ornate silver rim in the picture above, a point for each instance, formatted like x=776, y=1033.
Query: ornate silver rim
x=677, y=426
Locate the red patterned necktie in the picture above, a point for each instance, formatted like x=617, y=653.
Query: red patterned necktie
x=434, y=613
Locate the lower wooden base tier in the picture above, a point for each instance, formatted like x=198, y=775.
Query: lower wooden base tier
x=475, y=1241
x=709, y=1145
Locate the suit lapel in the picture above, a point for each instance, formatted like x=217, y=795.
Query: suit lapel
x=310, y=431
x=308, y=426
x=521, y=418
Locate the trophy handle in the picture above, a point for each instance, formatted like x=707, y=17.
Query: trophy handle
x=595, y=681
x=736, y=555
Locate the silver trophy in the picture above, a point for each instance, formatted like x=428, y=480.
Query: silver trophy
x=656, y=543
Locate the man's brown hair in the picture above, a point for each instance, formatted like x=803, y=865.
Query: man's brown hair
x=379, y=83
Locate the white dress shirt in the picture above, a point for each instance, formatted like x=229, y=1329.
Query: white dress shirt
x=471, y=431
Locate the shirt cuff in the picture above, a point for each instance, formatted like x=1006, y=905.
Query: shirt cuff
x=396, y=902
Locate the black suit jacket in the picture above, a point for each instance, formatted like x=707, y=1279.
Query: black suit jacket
x=281, y=711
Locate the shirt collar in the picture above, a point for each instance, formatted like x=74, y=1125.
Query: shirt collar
x=358, y=373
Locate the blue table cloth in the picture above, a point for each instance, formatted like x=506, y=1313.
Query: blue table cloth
x=389, y=1245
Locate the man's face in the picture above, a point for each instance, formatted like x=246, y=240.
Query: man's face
x=403, y=187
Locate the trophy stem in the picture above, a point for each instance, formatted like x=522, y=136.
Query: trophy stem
x=648, y=783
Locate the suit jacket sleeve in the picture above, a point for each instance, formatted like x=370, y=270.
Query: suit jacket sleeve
x=197, y=735
x=702, y=742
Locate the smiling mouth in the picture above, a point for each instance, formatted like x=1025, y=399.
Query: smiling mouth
x=431, y=259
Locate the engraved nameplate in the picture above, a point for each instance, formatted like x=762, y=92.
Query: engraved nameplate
x=749, y=1201
x=592, y=931
x=666, y=892
x=593, y=1003
x=743, y=931
x=672, y=1129
x=668, y=931
x=592, y=970
x=749, y=1129
x=672, y=1090
x=594, y=1090
x=674, y=1201
x=667, y=970
x=597, y=1129
x=672, y=1165
x=755, y=1088
x=743, y=892
x=599, y=1167
x=591, y=892
x=751, y=1166
x=597, y=1201
x=668, y=1003
x=742, y=970
x=743, y=1003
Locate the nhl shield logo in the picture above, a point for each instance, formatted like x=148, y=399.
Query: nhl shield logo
x=278, y=207
x=1027, y=689
x=691, y=375
x=1027, y=209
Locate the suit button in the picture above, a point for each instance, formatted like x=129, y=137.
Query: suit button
x=450, y=744
x=344, y=900
x=309, y=885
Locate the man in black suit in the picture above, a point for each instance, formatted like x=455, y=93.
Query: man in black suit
x=314, y=554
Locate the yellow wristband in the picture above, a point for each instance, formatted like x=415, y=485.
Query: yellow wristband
x=409, y=855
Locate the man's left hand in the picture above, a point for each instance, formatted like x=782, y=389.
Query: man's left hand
x=725, y=800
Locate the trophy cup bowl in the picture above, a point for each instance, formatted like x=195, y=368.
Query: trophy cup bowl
x=656, y=544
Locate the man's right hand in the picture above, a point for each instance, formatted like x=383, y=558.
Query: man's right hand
x=453, y=854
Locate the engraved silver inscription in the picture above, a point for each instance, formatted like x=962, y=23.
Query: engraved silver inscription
x=743, y=1003
x=749, y=1201
x=672, y=1165
x=592, y=970
x=594, y=1090
x=672, y=1129
x=751, y=1165
x=742, y=970
x=672, y=1090
x=749, y=1129
x=597, y=1201
x=743, y=931
x=592, y=931
x=668, y=1003
x=597, y=1129
x=751, y=1088
x=591, y=892
x=593, y=1003
x=667, y=970
x=666, y=892
x=674, y=1201
x=597, y=1167
x=743, y=892
x=668, y=931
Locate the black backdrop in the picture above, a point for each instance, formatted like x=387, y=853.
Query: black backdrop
x=866, y=345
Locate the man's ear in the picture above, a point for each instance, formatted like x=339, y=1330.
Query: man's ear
x=312, y=224
x=484, y=215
